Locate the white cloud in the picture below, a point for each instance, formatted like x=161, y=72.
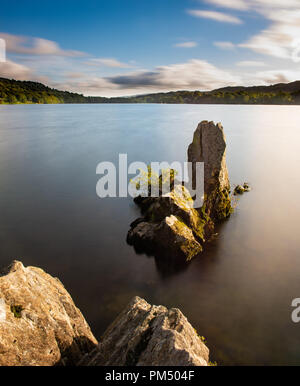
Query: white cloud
x=244, y=5
x=281, y=38
x=194, y=74
x=250, y=63
x=108, y=62
x=12, y=70
x=75, y=75
x=234, y=4
x=186, y=45
x=277, y=76
x=225, y=45
x=214, y=15
x=35, y=46
x=89, y=86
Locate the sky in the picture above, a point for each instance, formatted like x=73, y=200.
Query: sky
x=129, y=47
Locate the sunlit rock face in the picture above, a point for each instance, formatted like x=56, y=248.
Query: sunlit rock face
x=147, y=335
x=171, y=227
x=42, y=327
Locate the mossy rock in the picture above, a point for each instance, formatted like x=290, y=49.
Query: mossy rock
x=17, y=311
x=239, y=189
x=246, y=187
x=225, y=209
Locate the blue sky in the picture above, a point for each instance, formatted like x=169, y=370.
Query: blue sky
x=124, y=47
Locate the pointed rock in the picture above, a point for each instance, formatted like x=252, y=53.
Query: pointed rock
x=209, y=146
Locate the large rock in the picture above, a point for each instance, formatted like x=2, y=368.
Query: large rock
x=145, y=335
x=179, y=237
x=42, y=325
x=171, y=227
x=209, y=146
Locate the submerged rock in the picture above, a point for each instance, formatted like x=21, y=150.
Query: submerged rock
x=42, y=325
x=146, y=335
x=246, y=187
x=239, y=189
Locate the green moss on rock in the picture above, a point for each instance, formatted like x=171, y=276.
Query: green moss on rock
x=239, y=189
x=223, y=208
x=17, y=311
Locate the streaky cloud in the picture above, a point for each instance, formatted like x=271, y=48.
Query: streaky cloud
x=214, y=15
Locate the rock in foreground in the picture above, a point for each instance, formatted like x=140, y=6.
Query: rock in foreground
x=145, y=335
x=42, y=326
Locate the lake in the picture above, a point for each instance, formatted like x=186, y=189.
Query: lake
x=237, y=294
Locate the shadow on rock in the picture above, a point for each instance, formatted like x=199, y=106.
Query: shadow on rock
x=80, y=347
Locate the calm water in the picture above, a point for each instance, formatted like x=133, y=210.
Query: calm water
x=238, y=294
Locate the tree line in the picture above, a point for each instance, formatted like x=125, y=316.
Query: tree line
x=27, y=92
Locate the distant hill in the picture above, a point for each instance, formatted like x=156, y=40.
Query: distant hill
x=15, y=91
x=284, y=87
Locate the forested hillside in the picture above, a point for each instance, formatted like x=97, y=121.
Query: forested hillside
x=14, y=92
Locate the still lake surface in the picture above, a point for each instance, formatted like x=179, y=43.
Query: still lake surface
x=238, y=294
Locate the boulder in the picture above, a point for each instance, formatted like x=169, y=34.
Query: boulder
x=239, y=189
x=171, y=228
x=246, y=187
x=181, y=242
x=143, y=236
x=41, y=324
x=209, y=146
x=146, y=335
